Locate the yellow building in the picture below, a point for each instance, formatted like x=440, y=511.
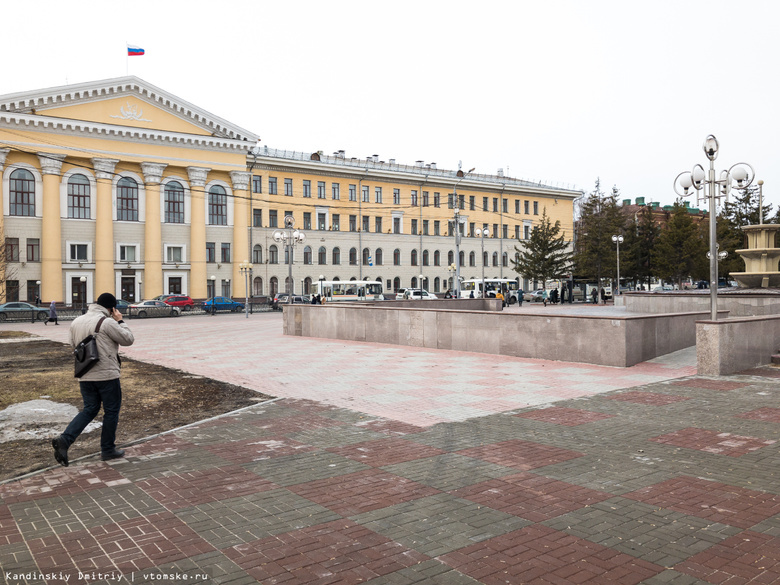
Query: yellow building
x=119, y=186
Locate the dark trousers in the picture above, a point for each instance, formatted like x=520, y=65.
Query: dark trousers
x=107, y=392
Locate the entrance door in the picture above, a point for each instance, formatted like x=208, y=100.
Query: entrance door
x=128, y=288
x=79, y=291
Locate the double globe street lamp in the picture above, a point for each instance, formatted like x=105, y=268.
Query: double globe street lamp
x=482, y=234
x=289, y=237
x=617, y=240
x=709, y=187
x=246, y=269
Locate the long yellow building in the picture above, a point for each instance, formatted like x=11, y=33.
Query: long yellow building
x=119, y=186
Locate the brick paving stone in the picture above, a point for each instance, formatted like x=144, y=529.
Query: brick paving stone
x=438, y=524
x=61, y=481
x=340, y=551
x=244, y=519
x=361, y=492
x=722, y=385
x=304, y=467
x=385, y=451
x=713, y=501
x=521, y=455
x=186, y=460
x=648, y=398
x=560, y=415
x=340, y=436
x=390, y=427
x=449, y=471
x=533, y=497
x=748, y=557
x=425, y=573
x=208, y=568
x=713, y=441
x=257, y=449
x=538, y=555
x=9, y=529
x=647, y=532
x=766, y=414
x=765, y=372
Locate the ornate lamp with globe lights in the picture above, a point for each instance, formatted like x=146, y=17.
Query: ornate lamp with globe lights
x=617, y=240
x=289, y=237
x=708, y=186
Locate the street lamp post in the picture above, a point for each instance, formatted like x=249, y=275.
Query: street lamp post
x=709, y=188
x=483, y=233
x=320, y=292
x=289, y=236
x=246, y=269
x=456, y=228
x=213, y=280
x=83, y=291
x=451, y=269
x=421, y=286
x=617, y=240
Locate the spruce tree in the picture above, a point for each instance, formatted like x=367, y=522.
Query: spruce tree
x=640, y=240
x=546, y=254
x=681, y=250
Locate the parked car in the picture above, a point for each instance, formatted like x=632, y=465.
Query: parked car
x=122, y=306
x=536, y=296
x=400, y=294
x=222, y=304
x=182, y=301
x=153, y=308
x=284, y=298
x=415, y=294
x=19, y=310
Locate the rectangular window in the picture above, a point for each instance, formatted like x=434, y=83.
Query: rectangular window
x=495, y=204
x=525, y=207
x=334, y=189
x=288, y=187
x=12, y=291
x=504, y=205
x=257, y=184
x=353, y=223
x=273, y=218
x=12, y=249
x=472, y=203
x=526, y=232
x=33, y=250
x=436, y=228
x=306, y=187
x=320, y=189
x=517, y=206
x=436, y=199
x=174, y=254
x=211, y=252
x=505, y=231
x=78, y=252
x=353, y=192
x=322, y=221
x=472, y=227
x=377, y=194
x=517, y=232
x=495, y=230
x=365, y=194
x=425, y=227
x=272, y=190
x=307, y=220
x=414, y=227
x=366, y=223
x=336, y=222
x=257, y=218
x=378, y=225
x=484, y=204
x=536, y=208
x=414, y=198
x=225, y=252
x=462, y=201
x=396, y=225
x=450, y=199
x=396, y=196
x=425, y=199
x=127, y=254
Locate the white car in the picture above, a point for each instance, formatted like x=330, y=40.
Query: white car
x=413, y=294
x=153, y=308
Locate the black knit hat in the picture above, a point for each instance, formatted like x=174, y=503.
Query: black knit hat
x=107, y=300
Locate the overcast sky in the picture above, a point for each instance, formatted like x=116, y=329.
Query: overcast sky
x=558, y=91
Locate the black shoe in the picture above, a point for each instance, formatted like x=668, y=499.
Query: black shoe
x=115, y=454
x=60, y=451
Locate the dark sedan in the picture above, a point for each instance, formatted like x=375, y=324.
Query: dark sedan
x=222, y=304
x=18, y=311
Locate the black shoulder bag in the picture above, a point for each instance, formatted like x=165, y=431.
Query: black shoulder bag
x=86, y=352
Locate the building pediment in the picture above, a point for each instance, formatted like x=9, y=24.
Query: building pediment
x=126, y=101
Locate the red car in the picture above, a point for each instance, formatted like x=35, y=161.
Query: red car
x=182, y=301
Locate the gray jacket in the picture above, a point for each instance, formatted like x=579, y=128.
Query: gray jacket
x=111, y=335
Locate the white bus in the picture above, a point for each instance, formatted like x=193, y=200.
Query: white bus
x=509, y=288
x=349, y=290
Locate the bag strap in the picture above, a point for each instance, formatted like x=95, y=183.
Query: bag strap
x=97, y=329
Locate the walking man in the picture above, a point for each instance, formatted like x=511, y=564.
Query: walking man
x=100, y=385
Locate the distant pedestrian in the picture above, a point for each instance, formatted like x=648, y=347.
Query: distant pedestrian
x=594, y=293
x=52, y=314
x=603, y=295
x=563, y=295
x=37, y=301
x=313, y=299
x=500, y=296
x=520, y=299
x=554, y=296
x=544, y=297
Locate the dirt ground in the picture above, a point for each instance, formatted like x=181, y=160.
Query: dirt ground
x=154, y=399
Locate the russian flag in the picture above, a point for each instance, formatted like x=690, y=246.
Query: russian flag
x=133, y=51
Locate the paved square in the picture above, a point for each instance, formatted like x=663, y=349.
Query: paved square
x=713, y=442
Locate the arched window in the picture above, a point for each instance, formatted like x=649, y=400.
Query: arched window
x=306, y=286
x=307, y=259
x=437, y=258
x=322, y=256
x=257, y=254
x=217, y=205
x=126, y=199
x=174, y=202
x=396, y=284
x=22, y=193
x=396, y=257
x=472, y=259
x=274, y=286
x=484, y=259
x=414, y=257
x=257, y=287
x=414, y=282
x=436, y=285
x=353, y=256
x=288, y=285
x=336, y=256
x=504, y=259
x=450, y=258
x=495, y=258
x=379, y=257
x=287, y=255
x=78, y=197
x=366, y=257
x=425, y=257
x=462, y=258
x=273, y=255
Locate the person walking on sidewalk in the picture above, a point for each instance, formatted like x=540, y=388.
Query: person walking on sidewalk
x=100, y=385
x=52, y=314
